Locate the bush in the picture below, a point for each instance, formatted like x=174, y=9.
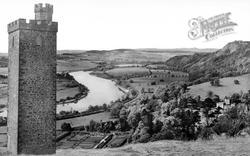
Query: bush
x=66, y=127
x=167, y=134
x=236, y=82
x=153, y=83
x=157, y=126
x=235, y=98
x=215, y=82
x=206, y=133
x=144, y=135
x=231, y=123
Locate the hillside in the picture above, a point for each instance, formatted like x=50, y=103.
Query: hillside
x=227, y=87
x=219, y=146
x=75, y=60
x=232, y=59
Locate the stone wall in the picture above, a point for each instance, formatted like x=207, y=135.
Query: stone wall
x=32, y=87
x=37, y=92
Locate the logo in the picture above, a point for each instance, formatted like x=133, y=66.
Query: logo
x=210, y=28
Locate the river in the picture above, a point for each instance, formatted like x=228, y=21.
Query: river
x=100, y=91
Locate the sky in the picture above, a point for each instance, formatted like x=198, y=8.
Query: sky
x=115, y=24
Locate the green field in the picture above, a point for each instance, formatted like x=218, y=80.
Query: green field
x=228, y=87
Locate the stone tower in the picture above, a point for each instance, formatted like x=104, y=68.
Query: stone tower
x=32, y=84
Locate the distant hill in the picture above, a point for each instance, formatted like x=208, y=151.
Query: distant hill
x=70, y=51
x=233, y=59
x=74, y=60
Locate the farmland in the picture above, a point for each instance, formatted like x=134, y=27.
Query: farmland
x=80, y=121
x=227, y=87
x=80, y=140
x=128, y=71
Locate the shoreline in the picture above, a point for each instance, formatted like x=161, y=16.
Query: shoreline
x=70, y=83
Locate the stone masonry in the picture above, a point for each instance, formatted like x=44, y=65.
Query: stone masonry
x=32, y=84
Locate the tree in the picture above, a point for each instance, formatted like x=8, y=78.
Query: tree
x=92, y=126
x=216, y=98
x=104, y=107
x=66, y=127
x=236, y=82
x=134, y=120
x=184, y=87
x=133, y=92
x=142, y=90
x=235, y=98
x=115, y=109
x=153, y=83
x=215, y=82
x=157, y=126
x=165, y=97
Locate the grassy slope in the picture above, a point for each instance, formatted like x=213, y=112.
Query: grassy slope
x=219, y=146
x=228, y=87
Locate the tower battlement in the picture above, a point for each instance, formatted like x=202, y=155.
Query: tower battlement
x=43, y=12
x=32, y=25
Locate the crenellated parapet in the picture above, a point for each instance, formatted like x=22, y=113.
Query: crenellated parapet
x=35, y=25
x=43, y=12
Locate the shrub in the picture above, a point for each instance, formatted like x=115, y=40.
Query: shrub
x=92, y=126
x=167, y=134
x=153, y=83
x=215, y=82
x=231, y=123
x=235, y=98
x=157, y=126
x=66, y=127
x=206, y=133
x=115, y=110
x=144, y=138
x=161, y=80
x=223, y=125
x=236, y=82
x=237, y=126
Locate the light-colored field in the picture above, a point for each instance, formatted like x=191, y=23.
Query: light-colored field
x=228, y=87
x=218, y=147
x=74, y=65
x=128, y=71
x=84, y=120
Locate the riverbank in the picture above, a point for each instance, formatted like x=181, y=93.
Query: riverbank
x=69, y=90
x=101, y=91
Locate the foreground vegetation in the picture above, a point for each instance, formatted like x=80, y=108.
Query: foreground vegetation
x=174, y=114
